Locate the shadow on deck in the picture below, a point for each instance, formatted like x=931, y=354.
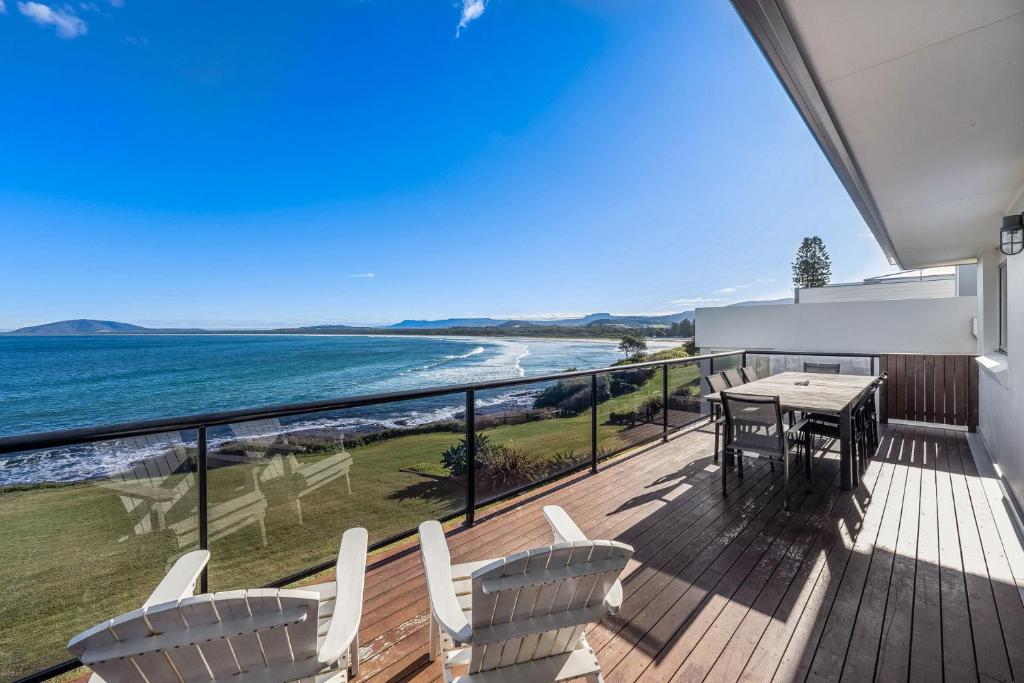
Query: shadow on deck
x=916, y=574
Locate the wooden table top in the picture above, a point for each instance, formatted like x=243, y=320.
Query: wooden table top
x=824, y=393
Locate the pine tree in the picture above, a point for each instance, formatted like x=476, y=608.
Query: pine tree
x=812, y=267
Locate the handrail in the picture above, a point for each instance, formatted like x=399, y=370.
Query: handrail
x=201, y=423
x=72, y=437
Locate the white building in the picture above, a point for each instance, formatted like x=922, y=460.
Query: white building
x=923, y=122
x=922, y=283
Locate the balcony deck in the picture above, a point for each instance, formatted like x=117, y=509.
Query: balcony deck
x=915, y=574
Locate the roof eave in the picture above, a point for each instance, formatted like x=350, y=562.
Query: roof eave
x=767, y=24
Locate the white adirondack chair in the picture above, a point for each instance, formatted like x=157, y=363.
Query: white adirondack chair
x=248, y=636
x=522, y=617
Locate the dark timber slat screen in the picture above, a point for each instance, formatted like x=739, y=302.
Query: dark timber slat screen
x=941, y=389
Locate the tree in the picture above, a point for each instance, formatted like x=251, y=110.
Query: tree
x=812, y=267
x=633, y=346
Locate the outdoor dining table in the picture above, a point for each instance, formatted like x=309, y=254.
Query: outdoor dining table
x=823, y=394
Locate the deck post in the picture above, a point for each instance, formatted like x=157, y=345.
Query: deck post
x=664, y=403
x=201, y=466
x=470, y=456
x=593, y=423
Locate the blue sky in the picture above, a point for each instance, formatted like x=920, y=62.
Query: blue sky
x=225, y=163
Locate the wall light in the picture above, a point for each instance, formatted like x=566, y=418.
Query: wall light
x=1011, y=236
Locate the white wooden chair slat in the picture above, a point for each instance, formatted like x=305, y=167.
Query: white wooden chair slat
x=190, y=663
x=245, y=647
x=254, y=636
x=220, y=657
x=120, y=670
x=155, y=666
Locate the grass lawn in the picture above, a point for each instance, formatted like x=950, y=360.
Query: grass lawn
x=72, y=555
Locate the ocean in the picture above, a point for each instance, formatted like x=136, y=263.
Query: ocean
x=49, y=383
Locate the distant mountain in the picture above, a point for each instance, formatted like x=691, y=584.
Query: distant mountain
x=446, y=323
x=768, y=302
x=68, y=327
x=587, y=320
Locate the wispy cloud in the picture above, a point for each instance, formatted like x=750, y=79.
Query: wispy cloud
x=471, y=11
x=361, y=275
x=137, y=41
x=64, y=20
x=693, y=301
x=3, y=7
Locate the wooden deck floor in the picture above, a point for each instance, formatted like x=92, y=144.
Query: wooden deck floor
x=915, y=575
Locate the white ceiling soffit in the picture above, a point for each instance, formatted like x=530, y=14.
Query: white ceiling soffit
x=919, y=107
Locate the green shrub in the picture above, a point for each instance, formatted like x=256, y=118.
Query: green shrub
x=504, y=467
x=455, y=458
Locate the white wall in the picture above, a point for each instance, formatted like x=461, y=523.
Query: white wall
x=1001, y=377
x=935, y=288
x=905, y=326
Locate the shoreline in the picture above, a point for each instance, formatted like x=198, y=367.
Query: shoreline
x=669, y=341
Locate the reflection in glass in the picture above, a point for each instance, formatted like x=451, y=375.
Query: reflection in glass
x=89, y=538
x=528, y=433
x=318, y=474
x=629, y=410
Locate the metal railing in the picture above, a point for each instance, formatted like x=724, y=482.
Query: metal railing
x=203, y=422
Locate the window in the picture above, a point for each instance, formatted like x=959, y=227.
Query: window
x=1003, y=336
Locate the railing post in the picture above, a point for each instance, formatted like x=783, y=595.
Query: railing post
x=664, y=402
x=593, y=423
x=201, y=462
x=470, y=457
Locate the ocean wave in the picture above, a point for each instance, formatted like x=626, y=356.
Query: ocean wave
x=96, y=461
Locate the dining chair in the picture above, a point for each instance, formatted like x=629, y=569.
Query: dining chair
x=822, y=368
x=749, y=374
x=717, y=384
x=753, y=428
x=733, y=377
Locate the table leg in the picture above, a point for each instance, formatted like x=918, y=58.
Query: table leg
x=846, y=481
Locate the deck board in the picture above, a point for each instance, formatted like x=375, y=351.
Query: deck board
x=910, y=576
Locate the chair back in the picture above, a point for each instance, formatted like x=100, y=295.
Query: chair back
x=749, y=374
x=754, y=423
x=537, y=603
x=733, y=377
x=268, y=634
x=822, y=368
x=151, y=487
x=717, y=383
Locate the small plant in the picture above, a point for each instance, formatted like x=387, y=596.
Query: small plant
x=503, y=467
x=455, y=458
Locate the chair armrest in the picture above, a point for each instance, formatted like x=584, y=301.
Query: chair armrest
x=562, y=527
x=349, y=578
x=565, y=531
x=180, y=582
x=437, y=565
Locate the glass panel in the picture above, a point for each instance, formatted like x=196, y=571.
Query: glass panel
x=629, y=408
x=529, y=433
x=87, y=532
x=774, y=363
x=282, y=491
x=684, y=395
